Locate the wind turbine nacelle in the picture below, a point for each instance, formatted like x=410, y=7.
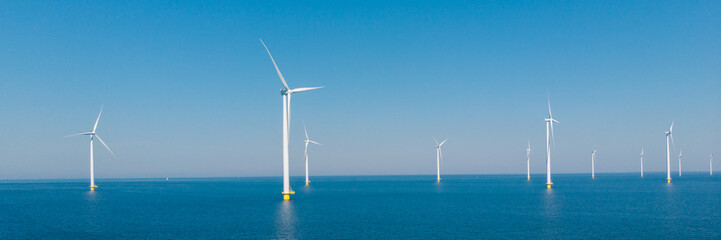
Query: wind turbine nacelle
x=283, y=91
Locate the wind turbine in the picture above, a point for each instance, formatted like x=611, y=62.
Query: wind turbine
x=549, y=127
x=680, y=153
x=642, y=155
x=669, y=136
x=593, y=163
x=307, y=141
x=528, y=161
x=286, y=92
x=93, y=135
x=710, y=164
x=439, y=155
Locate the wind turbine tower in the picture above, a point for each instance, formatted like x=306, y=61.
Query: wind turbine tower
x=549, y=137
x=669, y=138
x=286, y=92
x=642, y=155
x=680, y=154
x=528, y=161
x=439, y=155
x=307, y=141
x=593, y=163
x=93, y=135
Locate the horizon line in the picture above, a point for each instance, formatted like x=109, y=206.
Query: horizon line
x=303, y=176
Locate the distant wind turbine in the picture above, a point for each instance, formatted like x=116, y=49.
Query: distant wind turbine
x=642, y=155
x=710, y=164
x=286, y=93
x=669, y=136
x=439, y=155
x=93, y=135
x=307, y=141
x=528, y=161
x=593, y=163
x=549, y=130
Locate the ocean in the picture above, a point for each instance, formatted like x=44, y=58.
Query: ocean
x=612, y=206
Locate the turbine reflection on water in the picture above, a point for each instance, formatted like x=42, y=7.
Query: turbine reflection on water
x=550, y=214
x=285, y=221
x=92, y=213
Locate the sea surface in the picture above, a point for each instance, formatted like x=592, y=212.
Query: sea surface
x=612, y=206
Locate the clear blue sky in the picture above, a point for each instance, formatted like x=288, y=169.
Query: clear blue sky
x=190, y=92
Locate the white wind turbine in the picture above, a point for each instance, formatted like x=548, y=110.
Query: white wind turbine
x=669, y=137
x=710, y=164
x=439, y=155
x=680, y=154
x=307, y=141
x=93, y=135
x=593, y=163
x=642, y=155
x=549, y=138
x=528, y=161
x=286, y=92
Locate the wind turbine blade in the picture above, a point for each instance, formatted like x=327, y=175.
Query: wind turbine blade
x=673, y=143
x=529, y=151
x=106, y=146
x=306, y=131
x=670, y=130
x=303, y=89
x=97, y=120
x=306, y=151
x=435, y=141
x=440, y=154
x=549, y=108
x=276, y=66
x=314, y=142
x=444, y=141
x=79, y=134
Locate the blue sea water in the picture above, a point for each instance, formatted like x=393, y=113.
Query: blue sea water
x=618, y=206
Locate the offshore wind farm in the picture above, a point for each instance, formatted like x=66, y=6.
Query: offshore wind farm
x=203, y=148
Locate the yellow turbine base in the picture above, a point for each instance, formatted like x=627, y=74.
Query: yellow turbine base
x=668, y=180
x=548, y=185
x=286, y=195
x=307, y=182
x=529, y=178
x=439, y=180
x=92, y=188
x=594, y=177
